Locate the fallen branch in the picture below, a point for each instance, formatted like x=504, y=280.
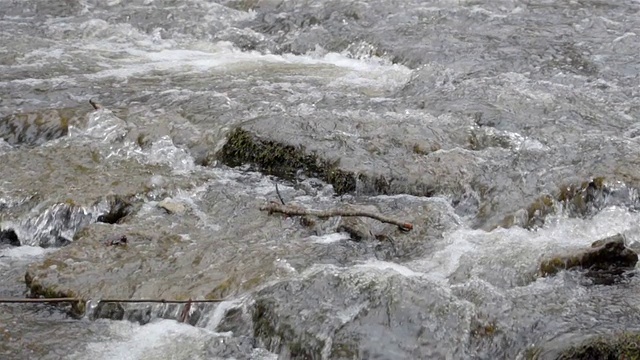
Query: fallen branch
x=68, y=300
x=279, y=196
x=300, y=211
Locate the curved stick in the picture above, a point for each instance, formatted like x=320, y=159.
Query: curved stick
x=300, y=211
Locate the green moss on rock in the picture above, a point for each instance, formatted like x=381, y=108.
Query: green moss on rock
x=50, y=292
x=575, y=198
x=608, y=254
x=283, y=160
x=624, y=345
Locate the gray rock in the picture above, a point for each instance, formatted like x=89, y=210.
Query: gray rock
x=605, y=257
x=172, y=206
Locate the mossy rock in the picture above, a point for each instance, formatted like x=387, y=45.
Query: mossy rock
x=624, y=345
x=35, y=128
x=577, y=199
x=608, y=255
x=50, y=292
x=285, y=161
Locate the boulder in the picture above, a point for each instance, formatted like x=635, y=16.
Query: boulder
x=622, y=345
x=172, y=206
x=605, y=257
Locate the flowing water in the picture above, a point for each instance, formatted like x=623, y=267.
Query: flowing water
x=484, y=117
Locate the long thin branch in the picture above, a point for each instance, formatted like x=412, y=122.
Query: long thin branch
x=300, y=211
x=66, y=300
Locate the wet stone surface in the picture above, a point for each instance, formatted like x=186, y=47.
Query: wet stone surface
x=505, y=132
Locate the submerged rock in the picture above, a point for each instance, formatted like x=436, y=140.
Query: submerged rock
x=172, y=207
x=356, y=228
x=35, y=128
x=576, y=200
x=359, y=313
x=607, y=256
x=282, y=159
x=623, y=345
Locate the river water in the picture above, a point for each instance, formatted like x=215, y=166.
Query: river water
x=481, y=118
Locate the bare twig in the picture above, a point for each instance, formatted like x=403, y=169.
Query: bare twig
x=274, y=207
x=67, y=300
x=95, y=105
x=279, y=196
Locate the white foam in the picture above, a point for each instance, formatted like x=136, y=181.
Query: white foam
x=163, y=339
x=517, y=248
x=223, y=55
x=329, y=238
x=384, y=265
x=24, y=252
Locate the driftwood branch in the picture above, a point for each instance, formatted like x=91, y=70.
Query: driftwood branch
x=300, y=211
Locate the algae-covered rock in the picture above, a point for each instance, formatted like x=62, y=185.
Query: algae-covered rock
x=576, y=200
x=621, y=345
x=606, y=256
x=283, y=159
x=618, y=346
x=35, y=128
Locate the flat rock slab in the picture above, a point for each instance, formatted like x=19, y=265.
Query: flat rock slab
x=211, y=254
x=487, y=173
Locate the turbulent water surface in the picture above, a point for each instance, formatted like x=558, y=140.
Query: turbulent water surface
x=505, y=131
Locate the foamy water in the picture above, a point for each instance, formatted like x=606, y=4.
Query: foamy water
x=398, y=85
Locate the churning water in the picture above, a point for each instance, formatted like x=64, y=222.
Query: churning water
x=482, y=120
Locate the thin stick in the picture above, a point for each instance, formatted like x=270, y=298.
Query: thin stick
x=95, y=105
x=279, y=196
x=64, y=300
x=300, y=211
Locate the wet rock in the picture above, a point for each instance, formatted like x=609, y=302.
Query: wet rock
x=172, y=207
x=10, y=237
x=233, y=348
x=282, y=159
x=112, y=311
x=78, y=172
x=358, y=313
x=38, y=127
x=576, y=200
x=119, y=208
x=235, y=320
x=153, y=265
x=608, y=256
x=213, y=261
x=54, y=227
x=356, y=228
x=622, y=345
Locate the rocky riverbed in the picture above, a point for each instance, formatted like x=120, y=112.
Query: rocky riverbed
x=504, y=132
